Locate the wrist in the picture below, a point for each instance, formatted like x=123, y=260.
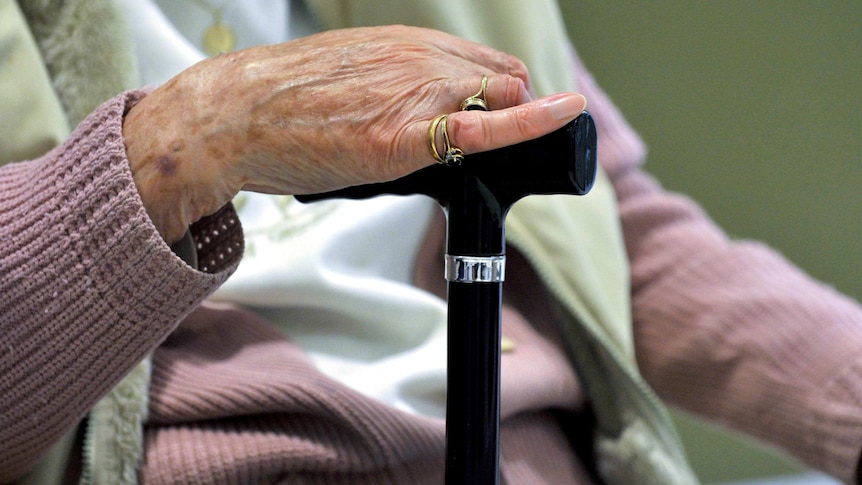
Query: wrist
x=175, y=184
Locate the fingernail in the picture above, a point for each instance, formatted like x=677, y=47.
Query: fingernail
x=566, y=106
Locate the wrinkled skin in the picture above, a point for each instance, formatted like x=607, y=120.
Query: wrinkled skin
x=339, y=108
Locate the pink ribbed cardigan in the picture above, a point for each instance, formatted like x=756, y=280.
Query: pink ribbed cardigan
x=725, y=329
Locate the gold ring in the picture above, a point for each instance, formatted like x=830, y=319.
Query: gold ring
x=451, y=155
x=477, y=101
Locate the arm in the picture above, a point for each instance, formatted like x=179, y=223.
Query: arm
x=730, y=330
x=88, y=287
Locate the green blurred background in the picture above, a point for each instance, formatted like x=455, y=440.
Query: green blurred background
x=755, y=110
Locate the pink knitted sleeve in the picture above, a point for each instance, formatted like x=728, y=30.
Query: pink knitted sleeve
x=730, y=330
x=87, y=286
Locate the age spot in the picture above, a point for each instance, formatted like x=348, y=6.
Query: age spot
x=166, y=165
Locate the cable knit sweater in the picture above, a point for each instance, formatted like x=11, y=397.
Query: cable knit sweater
x=725, y=329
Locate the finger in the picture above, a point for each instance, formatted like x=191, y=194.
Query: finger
x=478, y=131
x=474, y=131
x=501, y=91
x=504, y=91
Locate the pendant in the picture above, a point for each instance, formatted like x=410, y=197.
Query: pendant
x=218, y=39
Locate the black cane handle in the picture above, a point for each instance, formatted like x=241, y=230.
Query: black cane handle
x=561, y=162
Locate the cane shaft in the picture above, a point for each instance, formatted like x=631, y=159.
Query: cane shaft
x=473, y=389
x=476, y=247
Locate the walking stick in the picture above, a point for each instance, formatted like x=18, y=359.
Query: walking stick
x=476, y=196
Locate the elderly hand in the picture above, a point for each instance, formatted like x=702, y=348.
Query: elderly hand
x=330, y=110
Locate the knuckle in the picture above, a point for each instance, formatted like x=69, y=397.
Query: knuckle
x=524, y=121
x=513, y=89
x=467, y=131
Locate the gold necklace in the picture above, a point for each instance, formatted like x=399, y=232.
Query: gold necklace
x=219, y=37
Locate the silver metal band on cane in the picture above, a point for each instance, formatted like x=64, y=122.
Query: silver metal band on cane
x=475, y=269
